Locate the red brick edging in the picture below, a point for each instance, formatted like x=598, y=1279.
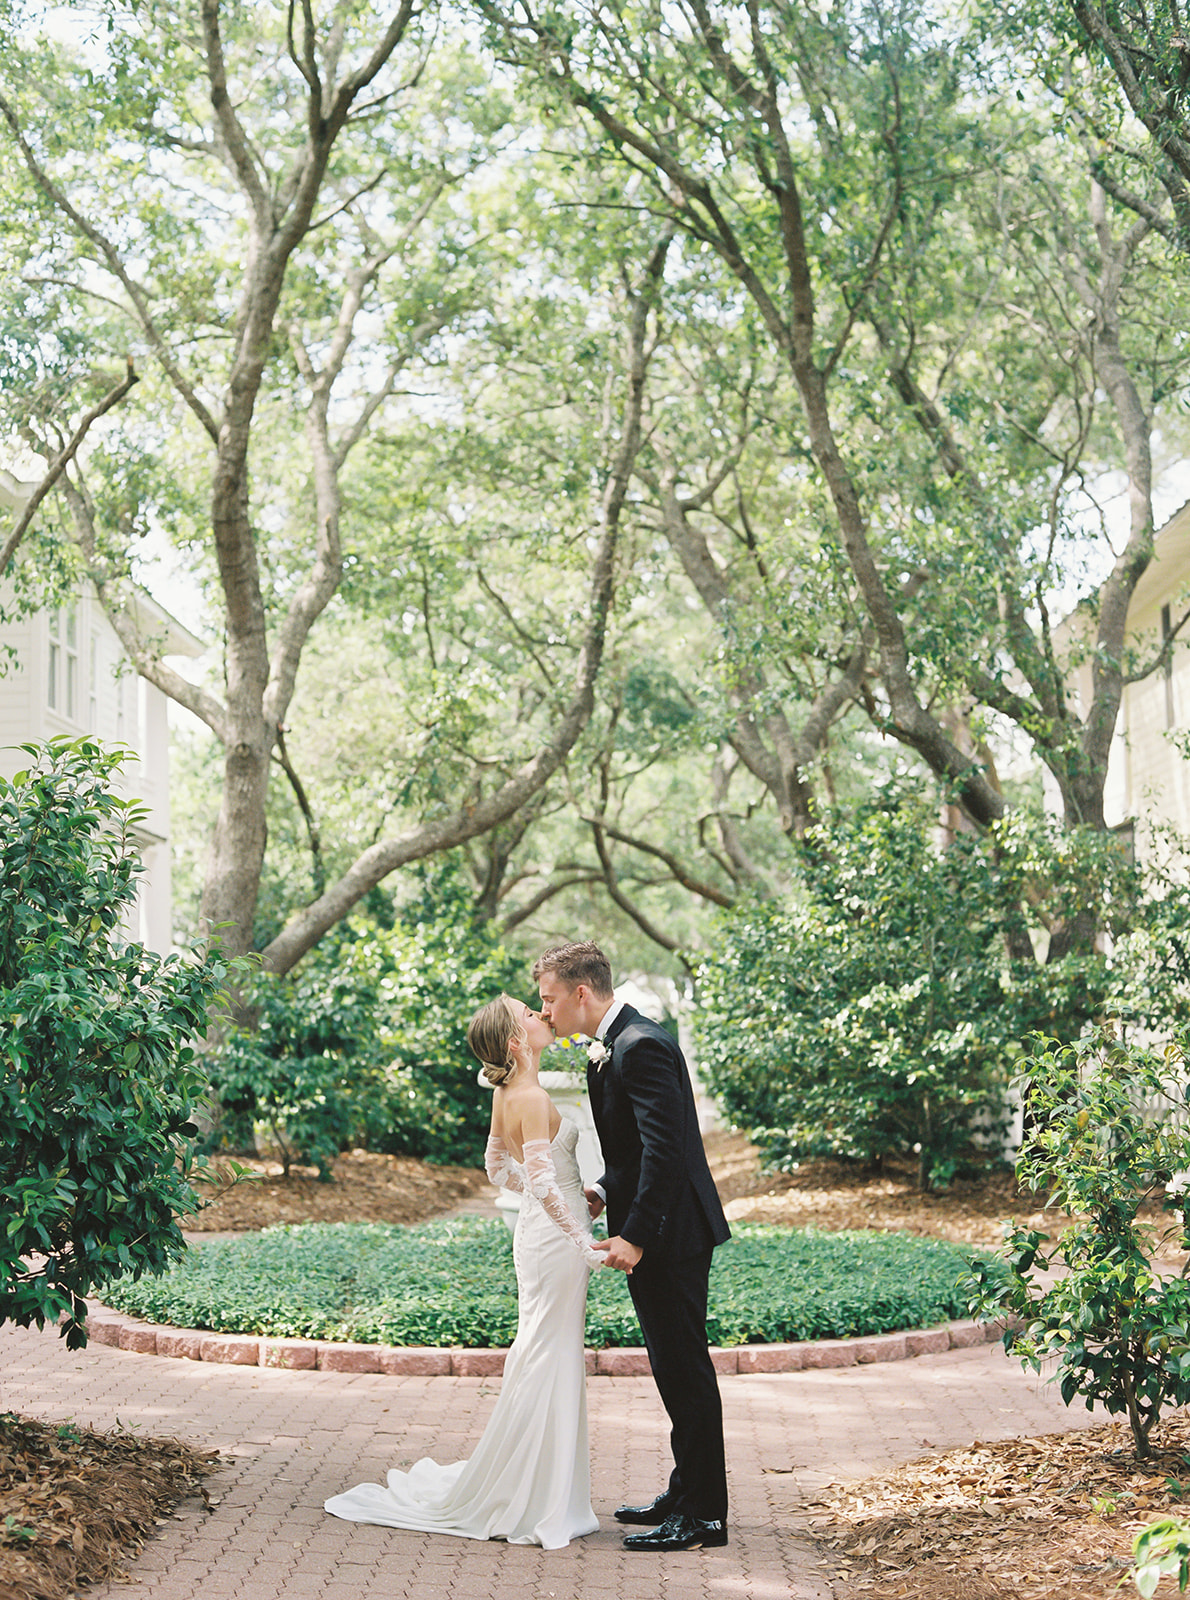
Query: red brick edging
x=422, y=1361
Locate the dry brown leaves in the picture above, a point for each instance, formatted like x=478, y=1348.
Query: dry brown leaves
x=1036, y=1519
x=75, y=1505
x=367, y=1187
x=834, y=1195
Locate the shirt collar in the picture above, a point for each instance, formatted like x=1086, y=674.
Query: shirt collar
x=609, y=1016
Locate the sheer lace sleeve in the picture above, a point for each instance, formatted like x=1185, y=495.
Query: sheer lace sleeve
x=543, y=1185
x=499, y=1165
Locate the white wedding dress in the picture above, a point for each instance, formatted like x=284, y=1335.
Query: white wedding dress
x=529, y=1479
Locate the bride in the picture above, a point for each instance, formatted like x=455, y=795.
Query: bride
x=529, y=1479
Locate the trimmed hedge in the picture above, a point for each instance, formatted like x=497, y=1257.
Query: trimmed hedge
x=453, y=1283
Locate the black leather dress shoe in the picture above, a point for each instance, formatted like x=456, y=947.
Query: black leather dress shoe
x=680, y=1533
x=648, y=1516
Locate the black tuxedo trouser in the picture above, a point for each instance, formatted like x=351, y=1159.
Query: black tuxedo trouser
x=671, y=1302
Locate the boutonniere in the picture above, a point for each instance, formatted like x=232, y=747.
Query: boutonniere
x=597, y=1054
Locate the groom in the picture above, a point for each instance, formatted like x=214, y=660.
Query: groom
x=664, y=1219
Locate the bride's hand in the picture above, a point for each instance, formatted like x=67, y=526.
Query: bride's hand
x=619, y=1253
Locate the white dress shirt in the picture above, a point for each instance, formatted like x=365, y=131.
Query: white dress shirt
x=609, y=1016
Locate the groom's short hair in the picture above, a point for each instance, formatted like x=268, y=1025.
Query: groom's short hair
x=573, y=964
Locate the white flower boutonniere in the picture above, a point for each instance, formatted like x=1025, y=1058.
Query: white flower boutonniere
x=597, y=1054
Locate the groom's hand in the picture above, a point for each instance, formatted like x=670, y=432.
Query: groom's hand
x=620, y=1253
x=594, y=1202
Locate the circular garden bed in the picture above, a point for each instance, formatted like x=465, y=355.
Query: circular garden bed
x=451, y=1283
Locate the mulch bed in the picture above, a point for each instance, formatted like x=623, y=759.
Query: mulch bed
x=1034, y=1519
x=367, y=1187
x=76, y=1506
x=835, y=1194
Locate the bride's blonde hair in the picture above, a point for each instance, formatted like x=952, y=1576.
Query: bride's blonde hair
x=491, y=1035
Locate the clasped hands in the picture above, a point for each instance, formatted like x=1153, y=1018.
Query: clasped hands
x=618, y=1252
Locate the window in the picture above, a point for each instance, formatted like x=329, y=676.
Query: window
x=63, y=688
x=72, y=663
x=92, y=680
x=53, y=689
x=1166, y=635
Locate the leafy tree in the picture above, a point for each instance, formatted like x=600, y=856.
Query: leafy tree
x=460, y=616
x=98, y=1077
x=1114, y=69
x=820, y=323
x=1103, y=1136
x=270, y=208
x=838, y=169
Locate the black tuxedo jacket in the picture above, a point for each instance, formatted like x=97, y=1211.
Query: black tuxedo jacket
x=660, y=1193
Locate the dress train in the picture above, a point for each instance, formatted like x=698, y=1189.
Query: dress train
x=528, y=1481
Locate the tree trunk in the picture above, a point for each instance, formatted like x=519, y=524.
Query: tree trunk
x=231, y=886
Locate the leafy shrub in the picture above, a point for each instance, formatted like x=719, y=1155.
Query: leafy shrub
x=453, y=1282
x=434, y=971
x=884, y=1008
x=97, y=1079
x=872, y=1014
x=366, y=1042
x=1102, y=1137
x=306, y=1075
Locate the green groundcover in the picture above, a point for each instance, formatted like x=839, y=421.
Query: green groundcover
x=451, y=1282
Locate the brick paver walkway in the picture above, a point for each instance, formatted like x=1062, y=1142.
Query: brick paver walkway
x=298, y=1436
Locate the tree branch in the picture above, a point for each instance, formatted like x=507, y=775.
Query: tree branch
x=516, y=918
x=1135, y=202
x=611, y=883
x=1160, y=119
x=1162, y=655
x=305, y=63
x=119, y=603
x=110, y=254
x=313, y=834
x=478, y=816
x=235, y=141
x=60, y=462
x=681, y=873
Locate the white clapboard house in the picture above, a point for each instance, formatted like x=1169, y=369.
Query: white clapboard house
x=65, y=673
x=1148, y=773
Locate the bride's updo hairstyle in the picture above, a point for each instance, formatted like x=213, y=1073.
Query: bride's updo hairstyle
x=491, y=1035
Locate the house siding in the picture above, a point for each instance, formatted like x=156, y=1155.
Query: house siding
x=114, y=705
x=1148, y=777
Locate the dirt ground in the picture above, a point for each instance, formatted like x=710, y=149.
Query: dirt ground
x=823, y=1194
x=1030, y=1518
x=367, y=1187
